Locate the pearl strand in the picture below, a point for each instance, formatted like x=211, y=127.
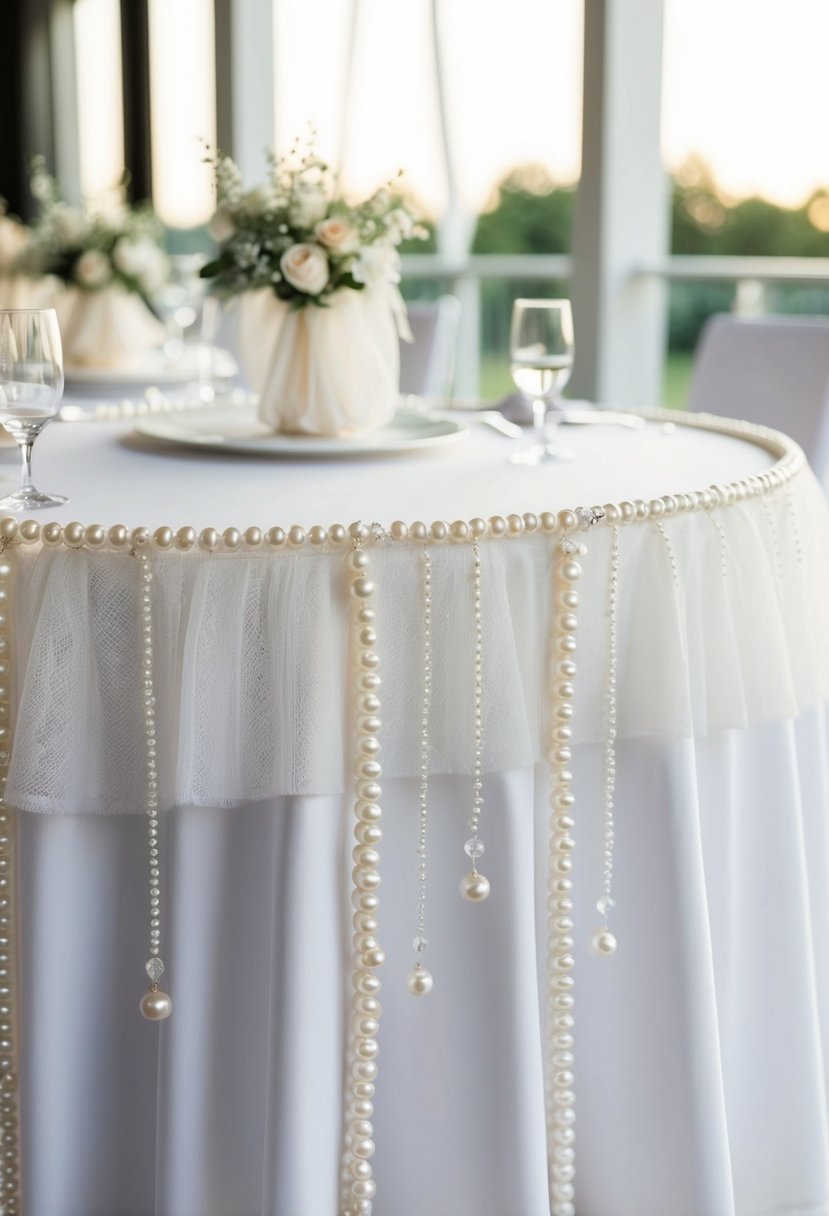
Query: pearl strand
x=10, y=1204
x=155, y=1004
x=603, y=942
x=419, y=981
x=360, y=1188
x=560, y=1079
x=474, y=886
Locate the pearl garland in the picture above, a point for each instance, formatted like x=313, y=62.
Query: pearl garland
x=359, y=1187
x=475, y=886
x=603, y=942
x=419, y=981
x=10, y=1202
x=155, y=1004
x=559, y=1022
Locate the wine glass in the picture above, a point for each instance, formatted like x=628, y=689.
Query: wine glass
x=31, y=387
x=541, y=361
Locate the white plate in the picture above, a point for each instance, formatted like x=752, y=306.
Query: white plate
x=153, y=368
x=239, y=430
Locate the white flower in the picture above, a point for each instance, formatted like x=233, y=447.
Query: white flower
x=337, y=234
x=131, y=255
x=400, y=225
x=309, y=204
x=92, y=268
x=306, y=268
x=69, y=224
x=258, y=200
x=377, y=264
x=221, y=227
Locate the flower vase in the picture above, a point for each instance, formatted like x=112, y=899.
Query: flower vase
x=105, y=327
x=329, y=371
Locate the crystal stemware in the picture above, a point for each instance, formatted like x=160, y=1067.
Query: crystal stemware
x=541, y=362
x=31, y=387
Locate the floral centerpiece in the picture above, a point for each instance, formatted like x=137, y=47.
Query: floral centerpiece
x=105, y=269
x=17, y=290
x=321, y=313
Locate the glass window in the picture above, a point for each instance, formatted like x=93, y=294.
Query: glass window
x=97, y=29
x=183, y=109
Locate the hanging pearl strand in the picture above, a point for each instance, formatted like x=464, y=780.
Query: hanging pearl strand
x=419, y=981
x=10, y=1204
x=603, y=942
x=155, y=1004
x=559, y=1023
x=360, y=1188
x=474, y=886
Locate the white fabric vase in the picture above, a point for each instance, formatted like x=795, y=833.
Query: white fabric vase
x=324, y=371
x=107, y=327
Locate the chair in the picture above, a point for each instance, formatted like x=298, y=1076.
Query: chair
x=427, y=365
x=769, y=370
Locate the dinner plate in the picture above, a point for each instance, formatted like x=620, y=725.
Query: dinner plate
x=238, y=430
x=154, y=367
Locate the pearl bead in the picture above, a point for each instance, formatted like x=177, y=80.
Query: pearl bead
x=362, y=588
x=474, y=887
x=185, y=538
x=156, y=1006
x=530, y=521
x=515, y=525
x=570, y=571
x=549, y=522
x=419, y=981
x=275, y=537
x=231, y=538
x=52, y=534
x=163, y=537
x=439, y=530
x=567, y=520
x=398, y=530
x=460, y=529
x=337, y=534
x=253, y=537
x=208, y=539
x=296, y=536
x=497, y=525
x=8, y=528
x=418, y=530
x=477, y=527
x=139, y=537
x=73, y=534
x=358, y=559
x=358, y=531
x=603, y=943
x=30, y=531
x=628, y=511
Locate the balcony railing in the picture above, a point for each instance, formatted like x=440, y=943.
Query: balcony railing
x=464, y=277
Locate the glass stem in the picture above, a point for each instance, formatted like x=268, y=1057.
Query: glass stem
x=540, y=418
x=26, y=446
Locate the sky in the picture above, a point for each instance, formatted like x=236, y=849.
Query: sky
x=742, y=87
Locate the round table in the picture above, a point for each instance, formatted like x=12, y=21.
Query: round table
x=202, y=666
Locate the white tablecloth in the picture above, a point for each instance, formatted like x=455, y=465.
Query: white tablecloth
x=700, y=1046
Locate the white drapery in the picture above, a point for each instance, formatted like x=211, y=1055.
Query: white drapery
x=701, y=1075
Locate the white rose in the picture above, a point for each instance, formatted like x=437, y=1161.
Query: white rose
x=377, y=264
x=337, y=234
x=306, y=268
x=309, y=205
x=92, y=268
x=221, y=227
x=400, y=225
x=68, y=224
x=131, y=255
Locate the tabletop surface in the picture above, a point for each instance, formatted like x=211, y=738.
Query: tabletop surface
x=112, y=475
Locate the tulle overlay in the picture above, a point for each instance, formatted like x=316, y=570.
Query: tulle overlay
x=723, y=622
